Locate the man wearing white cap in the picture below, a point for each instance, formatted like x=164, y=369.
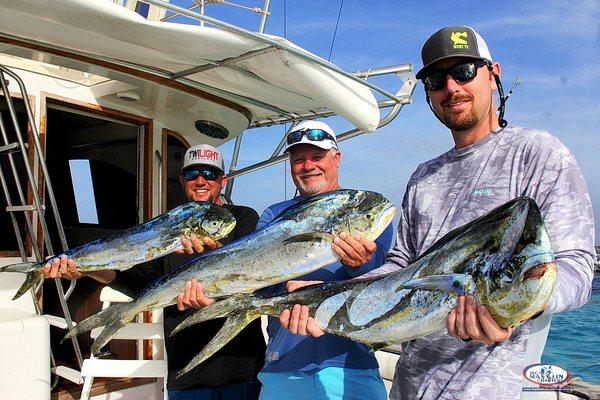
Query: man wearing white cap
x=230, y=374
x=491, y=163
x=325, y=367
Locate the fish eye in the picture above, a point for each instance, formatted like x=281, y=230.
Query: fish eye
x=369, y=216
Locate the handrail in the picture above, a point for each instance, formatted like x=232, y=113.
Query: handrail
x=405, y=92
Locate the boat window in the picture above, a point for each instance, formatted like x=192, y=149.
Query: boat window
x=8, y=241
x=142, y=8
x=83, y=188
x=176, y=147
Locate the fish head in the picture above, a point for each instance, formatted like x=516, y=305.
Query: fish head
x=520, y=277
x=352, y=211
x=216, y=222
x=366, y=213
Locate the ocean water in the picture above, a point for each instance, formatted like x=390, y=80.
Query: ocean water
x=574, y=339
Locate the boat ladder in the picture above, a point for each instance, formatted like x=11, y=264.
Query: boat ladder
x=35, y=211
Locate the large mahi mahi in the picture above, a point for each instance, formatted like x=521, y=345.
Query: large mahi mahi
x=296, y=242
x=503, y=258
x=152, y=239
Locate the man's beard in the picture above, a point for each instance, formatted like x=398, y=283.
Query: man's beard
x=312, y=189
x=459, y=121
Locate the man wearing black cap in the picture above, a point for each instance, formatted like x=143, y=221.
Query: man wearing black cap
x=491, y=163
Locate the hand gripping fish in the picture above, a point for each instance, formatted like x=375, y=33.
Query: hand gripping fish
x=503, y=258
x=152, y=239
x=295, y=243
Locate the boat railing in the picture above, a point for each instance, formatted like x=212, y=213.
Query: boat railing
x=402, y=97
x=201, y=4
x=394, y=100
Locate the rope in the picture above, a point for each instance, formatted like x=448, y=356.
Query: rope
x=335, y=31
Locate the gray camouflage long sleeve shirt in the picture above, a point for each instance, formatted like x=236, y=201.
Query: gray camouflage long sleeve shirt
x=459, y=186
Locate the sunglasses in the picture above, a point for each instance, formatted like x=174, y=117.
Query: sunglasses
x=462, y=72
x=314, y=135
x=209, y=174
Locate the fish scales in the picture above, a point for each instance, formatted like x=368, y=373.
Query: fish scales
x=152, y=239
x=295, y=243
x=503, y=259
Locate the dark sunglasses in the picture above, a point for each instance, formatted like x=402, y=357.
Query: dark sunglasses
x=209, y=174
x=314, y=135
x=462, y=72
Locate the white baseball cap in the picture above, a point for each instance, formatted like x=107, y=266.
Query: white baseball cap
x=327, y=142
x=203, y=154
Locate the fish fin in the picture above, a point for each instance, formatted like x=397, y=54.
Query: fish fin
x=310, y=237
x=178, y=232
x=32, y=279
x=378, y=346
x=216, y=310
x=459, y=284
x=234, y=325
x=111, y=315
x=109, y=332
x=23, y=267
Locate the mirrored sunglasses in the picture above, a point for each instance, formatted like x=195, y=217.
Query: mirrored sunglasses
x=462, y=72
x=314, y=135
x=209, y=174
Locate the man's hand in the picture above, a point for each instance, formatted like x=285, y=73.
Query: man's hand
x=62, y=268
x=193, y=297
x=353, y=251
x=197, y=245
x=470, y=321
x=297, y=321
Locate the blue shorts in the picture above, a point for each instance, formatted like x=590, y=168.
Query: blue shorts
x=332, y=383
x=236, y=391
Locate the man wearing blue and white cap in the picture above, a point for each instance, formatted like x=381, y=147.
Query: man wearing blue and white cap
x=325, y=367
x=491, y=163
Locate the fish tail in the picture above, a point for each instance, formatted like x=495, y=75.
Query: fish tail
x=109, y=332
x=234, y=325
x=219, y=309
x=23, y=267
x=114, y=318
x=32, y=279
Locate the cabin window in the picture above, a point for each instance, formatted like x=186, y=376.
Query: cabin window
x=83, y=188
x=142, y=8
x=8, y=240
x=174, y=147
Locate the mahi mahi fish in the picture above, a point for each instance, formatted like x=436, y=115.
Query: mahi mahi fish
x=296, y=242
x=152, y=239
x=503, y=259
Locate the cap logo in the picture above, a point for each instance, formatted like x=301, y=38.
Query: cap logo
x=459, y=40
x=204, y=154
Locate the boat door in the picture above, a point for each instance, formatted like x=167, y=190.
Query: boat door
x=96, y=164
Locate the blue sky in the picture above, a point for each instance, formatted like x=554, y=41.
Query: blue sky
x=552, y=46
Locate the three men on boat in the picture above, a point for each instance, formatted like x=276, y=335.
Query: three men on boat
x=491, y=163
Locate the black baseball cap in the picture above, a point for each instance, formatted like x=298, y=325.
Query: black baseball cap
x=453, y=41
